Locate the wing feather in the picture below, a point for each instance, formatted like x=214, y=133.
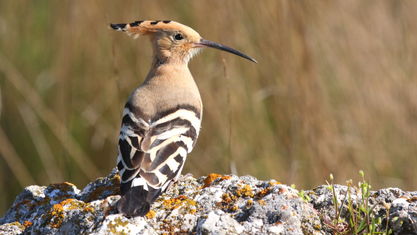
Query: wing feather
x=152, y=154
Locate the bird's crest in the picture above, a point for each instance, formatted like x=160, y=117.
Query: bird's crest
x=144, y=27
x=177, y=32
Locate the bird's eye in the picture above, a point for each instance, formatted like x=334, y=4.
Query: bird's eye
x=178, y=36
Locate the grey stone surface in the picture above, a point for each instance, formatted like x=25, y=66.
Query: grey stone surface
x=209, y=205
x=12, y=228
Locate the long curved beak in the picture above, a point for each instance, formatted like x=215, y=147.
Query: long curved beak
x=207, y=43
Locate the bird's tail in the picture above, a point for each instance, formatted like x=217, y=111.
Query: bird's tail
x=134, y=203
x=137, y=200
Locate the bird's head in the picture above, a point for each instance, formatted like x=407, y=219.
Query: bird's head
x=173, y=41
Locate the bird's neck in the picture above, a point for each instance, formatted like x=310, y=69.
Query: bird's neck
x=173, y=84
x=168, y=69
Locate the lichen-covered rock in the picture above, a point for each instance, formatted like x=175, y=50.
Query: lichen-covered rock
x=214, y=204
x=62, y=208
x=118, y=224
x=396, y=208
x=219, y=222
x=12, y=228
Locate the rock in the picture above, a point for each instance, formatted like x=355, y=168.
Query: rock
x=395, y=208
x=214, y=204
x=218, y=222
x=118, y=224
x=12, y=228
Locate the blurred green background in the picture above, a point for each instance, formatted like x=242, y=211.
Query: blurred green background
x=335, y=89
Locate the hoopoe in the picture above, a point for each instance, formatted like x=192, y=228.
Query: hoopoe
x=162, y=117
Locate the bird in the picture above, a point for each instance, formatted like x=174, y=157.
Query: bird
x=162, y=118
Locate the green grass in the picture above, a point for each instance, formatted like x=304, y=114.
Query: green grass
x=361, y=217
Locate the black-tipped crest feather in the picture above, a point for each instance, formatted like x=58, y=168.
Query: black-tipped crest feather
x=118, y=27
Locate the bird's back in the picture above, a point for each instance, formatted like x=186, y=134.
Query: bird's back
x=160, y=126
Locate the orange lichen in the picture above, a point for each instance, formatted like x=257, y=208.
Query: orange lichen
x=245, y=191
x=278, y=223
x=249, y=203
x=55, y=216
x=57, y=209
x=212, y=177
x=117, y=226
x=228, y=202
x=89, y=209
x=412, y=199
x=171, y=227
x=273, y=182
x=150, y=214
x=265, y=191
x=116, y=179
x=228, y=198
x=17, y=224
x=174, y=203
x=67, y=201
x=233, y=208
x=262, y=193
x=27, y=223
x=72, y=204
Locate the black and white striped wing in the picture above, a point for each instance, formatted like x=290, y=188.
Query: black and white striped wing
x=130, y=155
x=152, y=154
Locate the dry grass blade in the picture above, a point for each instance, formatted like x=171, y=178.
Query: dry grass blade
x=0, y=102
x=232, y=162
x=14, y=162
x=59, y=130
x=45, y=153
